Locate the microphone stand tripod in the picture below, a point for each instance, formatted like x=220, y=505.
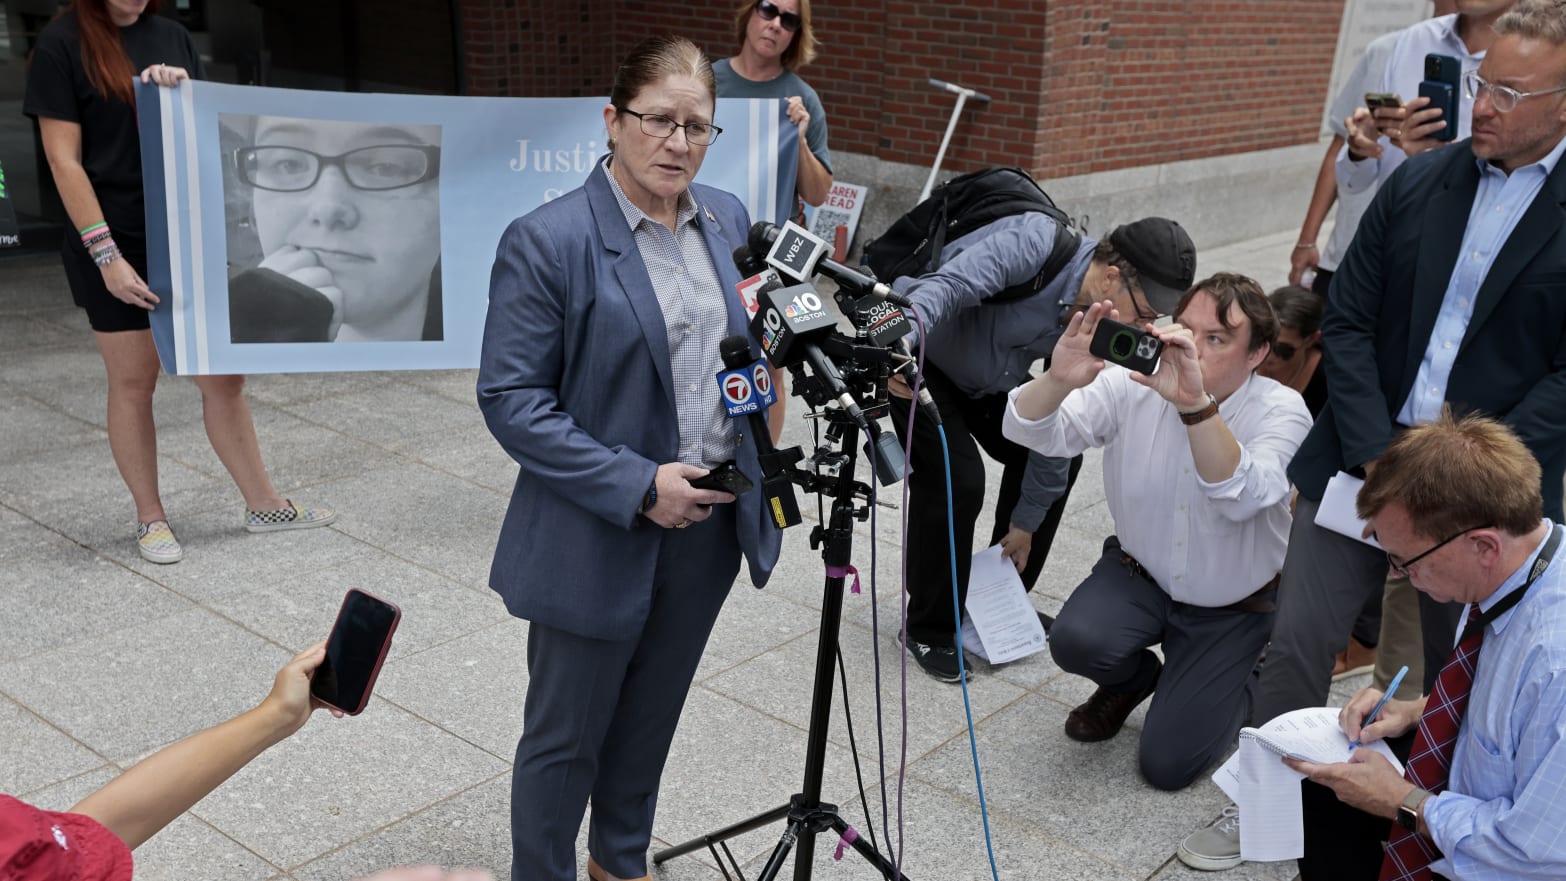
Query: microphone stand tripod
x=806, y=814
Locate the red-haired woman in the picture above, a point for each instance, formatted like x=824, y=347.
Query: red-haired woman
x=79, y=88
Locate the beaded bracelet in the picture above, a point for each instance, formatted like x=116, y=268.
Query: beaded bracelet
x=107, y=256
x=101, y=244
x=96, y=237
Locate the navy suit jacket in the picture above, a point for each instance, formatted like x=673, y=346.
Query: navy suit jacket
x=1386, y=294
x=574, y=381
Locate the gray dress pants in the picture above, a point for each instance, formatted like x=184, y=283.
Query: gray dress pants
x=1103, y=633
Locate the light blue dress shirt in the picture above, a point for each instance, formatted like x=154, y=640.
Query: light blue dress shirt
x=1504, y=815
x=1499, y=204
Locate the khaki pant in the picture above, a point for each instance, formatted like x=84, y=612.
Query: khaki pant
x=1401, y=639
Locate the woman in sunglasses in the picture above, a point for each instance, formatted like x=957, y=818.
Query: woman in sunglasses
x=775, y=40
x=1295, y=360
x=347, y=215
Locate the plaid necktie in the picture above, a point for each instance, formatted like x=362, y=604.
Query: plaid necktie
x=1410, y=854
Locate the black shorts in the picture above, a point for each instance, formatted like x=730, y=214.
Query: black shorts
x=105, y=312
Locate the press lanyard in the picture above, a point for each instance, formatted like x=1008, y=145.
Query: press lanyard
x=1540, y=563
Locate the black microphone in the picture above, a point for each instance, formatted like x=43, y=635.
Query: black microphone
x=775, y=485
x=747, y=262
x=764, y=234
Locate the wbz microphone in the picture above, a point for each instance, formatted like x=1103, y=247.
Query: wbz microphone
x=747, y=393
x=798, y=254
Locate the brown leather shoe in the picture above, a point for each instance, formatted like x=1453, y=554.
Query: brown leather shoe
x=1103, y=715
x=596, y=872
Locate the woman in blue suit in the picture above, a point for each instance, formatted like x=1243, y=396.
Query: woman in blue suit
x=597, y=376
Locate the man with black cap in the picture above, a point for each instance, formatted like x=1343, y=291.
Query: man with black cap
x=1194, y=459
x=977, y=350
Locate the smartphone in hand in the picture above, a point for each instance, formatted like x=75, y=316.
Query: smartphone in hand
x=1122, y=344
x=355, y=651
x=724, y=478
x=1440, y=85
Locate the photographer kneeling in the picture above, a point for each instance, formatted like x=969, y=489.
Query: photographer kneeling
x=1194, y=458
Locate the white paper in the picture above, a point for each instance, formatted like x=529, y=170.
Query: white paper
x=1267, y=791
x=1337, y=511
x=1004, y=623
x=1272, y=820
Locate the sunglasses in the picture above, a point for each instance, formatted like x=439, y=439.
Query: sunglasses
x=770, y=11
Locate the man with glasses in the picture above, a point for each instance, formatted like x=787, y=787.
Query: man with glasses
x=1194, y=459
x=1450, y=293
x=1456, y=504
x=978, y=351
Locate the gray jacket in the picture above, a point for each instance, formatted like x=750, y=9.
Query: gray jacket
x=989, y=349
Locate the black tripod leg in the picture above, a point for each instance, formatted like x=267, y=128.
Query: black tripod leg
x=724, y=834
x=769, y=872
x=868, y=851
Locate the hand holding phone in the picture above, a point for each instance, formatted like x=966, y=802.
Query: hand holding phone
x=1440, y=85
x=724, y=478
x=1120, y=343
x=355, y=651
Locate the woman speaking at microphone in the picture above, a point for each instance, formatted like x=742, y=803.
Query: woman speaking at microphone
x=606, y=307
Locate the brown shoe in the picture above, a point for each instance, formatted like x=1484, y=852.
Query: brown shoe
x=596, y=872
x=1103, y=715
x=1354, y=660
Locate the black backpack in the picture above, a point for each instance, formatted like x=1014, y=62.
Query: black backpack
x=913, y=244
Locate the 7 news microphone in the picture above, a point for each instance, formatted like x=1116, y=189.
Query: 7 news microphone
x=747, y=391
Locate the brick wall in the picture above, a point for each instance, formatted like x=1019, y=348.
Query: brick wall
x=1077, y=86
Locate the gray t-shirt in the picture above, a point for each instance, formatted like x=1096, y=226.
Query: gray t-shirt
x=786, y=85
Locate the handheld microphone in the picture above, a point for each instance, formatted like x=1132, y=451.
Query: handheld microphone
x=775, y=485
x=798, y=253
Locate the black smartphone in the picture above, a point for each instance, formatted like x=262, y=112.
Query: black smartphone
x=355, y=651
x=1127, y=346
x=1440, y=85
x=724, y=478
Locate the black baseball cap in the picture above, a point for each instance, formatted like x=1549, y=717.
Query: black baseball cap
x=1164, y=257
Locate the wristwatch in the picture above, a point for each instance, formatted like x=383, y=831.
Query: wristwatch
x=1202, y=415
x=1408, y=811
x=650, y=499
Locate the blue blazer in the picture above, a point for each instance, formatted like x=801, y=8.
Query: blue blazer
x=574, y=382
x=1511, y=363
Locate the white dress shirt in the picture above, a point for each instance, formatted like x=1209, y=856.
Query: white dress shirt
x=1206, y=544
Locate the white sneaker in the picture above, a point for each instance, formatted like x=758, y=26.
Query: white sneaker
x=1215, y=848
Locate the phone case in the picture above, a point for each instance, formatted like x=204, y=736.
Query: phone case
x=1127, y=346
x=1444, y=96
x=375, y=671
x=1443, y=68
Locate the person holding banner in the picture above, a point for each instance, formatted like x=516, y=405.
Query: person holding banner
x=79, y=88
x=775, y=40
x=597, y=375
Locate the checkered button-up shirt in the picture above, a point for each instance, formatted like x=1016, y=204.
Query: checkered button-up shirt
x=695, y=319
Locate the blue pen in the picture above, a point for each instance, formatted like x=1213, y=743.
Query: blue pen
x=1391, y=689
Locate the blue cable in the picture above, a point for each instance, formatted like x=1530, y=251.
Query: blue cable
x=967, y=706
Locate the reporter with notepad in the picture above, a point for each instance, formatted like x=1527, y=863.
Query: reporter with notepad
x=1456, y=504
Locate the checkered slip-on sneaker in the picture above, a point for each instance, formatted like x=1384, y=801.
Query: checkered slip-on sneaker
x=157, y=543
x=290, y=517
